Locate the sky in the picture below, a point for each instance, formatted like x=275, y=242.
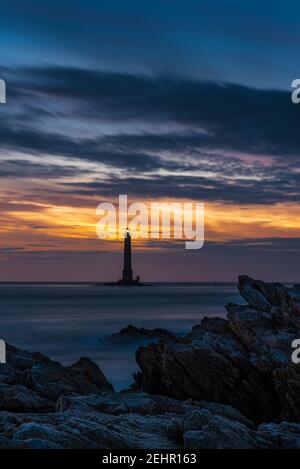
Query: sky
x=164, y=101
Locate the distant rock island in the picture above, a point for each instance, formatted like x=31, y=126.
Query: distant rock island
x=229, y=383
x=131, y=334
x=127, y=273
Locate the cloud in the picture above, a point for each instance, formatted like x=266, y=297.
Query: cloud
x=28, y=169
x=233, y=116
x=197, y=188
x=182, y=138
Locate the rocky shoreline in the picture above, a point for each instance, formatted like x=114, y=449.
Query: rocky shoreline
x=229, y=383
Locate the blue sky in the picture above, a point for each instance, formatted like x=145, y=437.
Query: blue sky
x=253, y=43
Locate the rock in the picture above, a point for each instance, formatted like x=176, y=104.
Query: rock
x=87, y=377
x=213, y=325
x=31, y=382
x=274, y=294
x=228, y=412
x=295, y=292
x=214, y=367
x=122, y=403
x=254, y=298
x=284, y=435
x=38, y=443
x=284, y=307
x=18, y=398
x=133, y=334
x=268, y=338
x=206, y=431
x=113, y=420
x=138, y=420
x=244, y=361
x=47, y=433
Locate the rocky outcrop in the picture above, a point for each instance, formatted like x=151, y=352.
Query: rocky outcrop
x=244, y=361
x=138, y=420
x=31, y=382
x=214, y=367
x=132, y=334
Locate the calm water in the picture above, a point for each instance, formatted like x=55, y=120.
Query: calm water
x=69, y=321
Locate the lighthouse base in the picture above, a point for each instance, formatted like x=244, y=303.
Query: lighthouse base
x=126, y=283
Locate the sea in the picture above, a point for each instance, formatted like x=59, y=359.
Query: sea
x=67, y=321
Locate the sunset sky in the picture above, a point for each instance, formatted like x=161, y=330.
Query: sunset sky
x=160, y=100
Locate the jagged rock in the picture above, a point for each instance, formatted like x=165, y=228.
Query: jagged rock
x=283, y=435
x=206, y=431
x=31, y=382
x=254, y=298
x=111, y=421
x=244, y=361
x=282, y=305
x=213, y=325
x=227, y=411
x=18, y=398
x=137, y=420
x=87, y=377
x=213, y=367
x=268, y=339
x=274, y=294
x=115, y=404
x=134, y=334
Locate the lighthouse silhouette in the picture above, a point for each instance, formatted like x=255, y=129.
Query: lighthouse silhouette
x=127, y=269
x=127, y=273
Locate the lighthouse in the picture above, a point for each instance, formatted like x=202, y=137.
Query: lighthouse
x=127, y=273
x=127, y=268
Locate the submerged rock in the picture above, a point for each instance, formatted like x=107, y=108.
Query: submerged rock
x=131, y=334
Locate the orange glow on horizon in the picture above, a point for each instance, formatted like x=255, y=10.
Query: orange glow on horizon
x=64, y=227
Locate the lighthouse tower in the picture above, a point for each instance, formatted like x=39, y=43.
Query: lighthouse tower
x=127, y=273
x=127, y=269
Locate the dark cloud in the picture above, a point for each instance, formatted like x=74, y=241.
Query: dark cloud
x=187, y=126
x=234, y=117
x=284, y=189
x=28, y=169
x=261, y=244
